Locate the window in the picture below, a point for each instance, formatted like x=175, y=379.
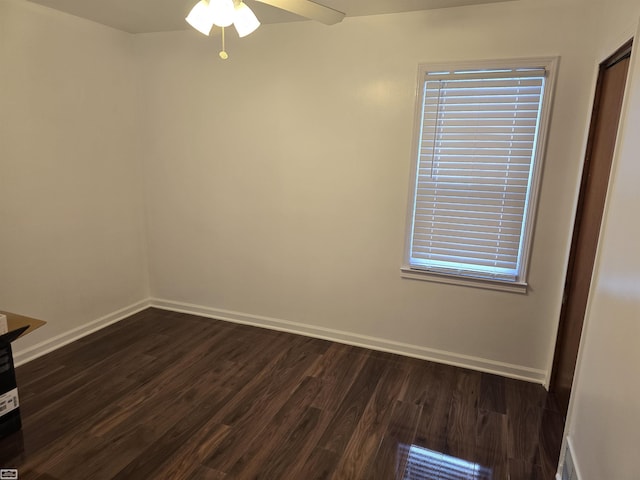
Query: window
x=479, y=142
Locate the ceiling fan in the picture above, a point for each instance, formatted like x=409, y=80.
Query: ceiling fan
x=224, y=13
x=308, y=9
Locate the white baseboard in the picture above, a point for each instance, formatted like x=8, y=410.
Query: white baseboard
x=374, y=343
x=340, y=336
x=570, y=468
x=23, y=356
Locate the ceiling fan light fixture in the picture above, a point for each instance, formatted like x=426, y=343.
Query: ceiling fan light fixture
x=245, y=20
x=222, y=12
x=200, y=17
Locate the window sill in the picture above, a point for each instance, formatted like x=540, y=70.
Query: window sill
x=513, y=287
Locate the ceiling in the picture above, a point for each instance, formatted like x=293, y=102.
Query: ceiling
x=147, y=16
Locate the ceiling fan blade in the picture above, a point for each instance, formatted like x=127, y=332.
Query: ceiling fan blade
x=308, y=9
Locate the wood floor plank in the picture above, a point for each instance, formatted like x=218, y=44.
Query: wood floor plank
x=521, y=470
x=66, y=382
x=160, y=412
x=524, y=417
x=550, y=442
x=166, y=395
x=338, y=433
x=199, y=368
x=491, y=440
x=338, y=371
x=188, y=457
x=319, y=466
x=367, y=436
x=161, y=450
x=100, y=458
x=492, y=393
x=140, y=407
x=253, y=415
x=433, y=424
x=391, y=457
x=48, y=428
x=277, y=431
x=463, y=416
x=276, y=463
x=205, y=473
x=422, y=383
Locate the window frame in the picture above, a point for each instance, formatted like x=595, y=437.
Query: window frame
x=520, y=285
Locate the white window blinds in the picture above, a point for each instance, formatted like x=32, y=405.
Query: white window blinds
x=477, y=146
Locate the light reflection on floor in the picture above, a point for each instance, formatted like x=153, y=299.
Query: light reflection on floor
x=424, y=464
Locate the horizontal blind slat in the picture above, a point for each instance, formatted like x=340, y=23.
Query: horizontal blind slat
x=488, y=75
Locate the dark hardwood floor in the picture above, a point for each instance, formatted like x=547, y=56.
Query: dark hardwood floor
x=164, y=395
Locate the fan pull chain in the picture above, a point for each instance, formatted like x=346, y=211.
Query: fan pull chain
x=223, y=54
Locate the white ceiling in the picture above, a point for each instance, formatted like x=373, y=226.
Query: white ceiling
x=146, y=16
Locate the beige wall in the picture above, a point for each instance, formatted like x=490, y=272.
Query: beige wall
x=71, y=245
x=277, y=181
x=604, y=419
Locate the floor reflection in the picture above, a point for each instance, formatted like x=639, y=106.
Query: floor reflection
x=425, y=464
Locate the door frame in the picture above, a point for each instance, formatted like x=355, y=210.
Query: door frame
x=620, y=54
